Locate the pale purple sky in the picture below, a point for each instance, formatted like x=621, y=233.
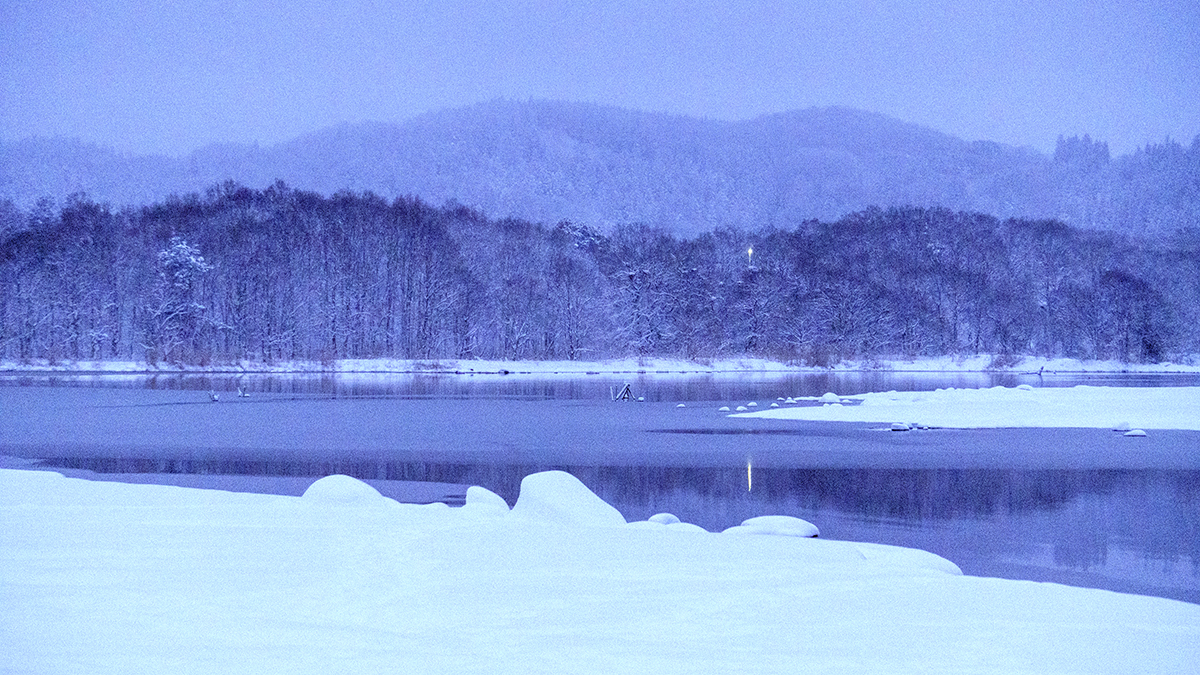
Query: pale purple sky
x=169, y=77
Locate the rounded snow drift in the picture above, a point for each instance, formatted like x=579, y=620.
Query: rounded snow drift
x=786, y=526
x=339, y=489
x=752, y=404
x=830, y=397
x=742, y=408
x=1122, y=426
x=723, y=408
x=900, y=426
x=1135, y=433
x=557, y=496
x=664, y=518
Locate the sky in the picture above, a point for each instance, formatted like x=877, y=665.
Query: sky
x=150, y=77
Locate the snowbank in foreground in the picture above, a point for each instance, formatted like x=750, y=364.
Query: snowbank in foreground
x=648, y=366
x=1023, y=406
x=113, y=578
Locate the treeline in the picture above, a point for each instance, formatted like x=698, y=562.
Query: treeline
x=279, y=274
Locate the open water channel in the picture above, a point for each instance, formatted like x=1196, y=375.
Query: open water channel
x=1078, y=506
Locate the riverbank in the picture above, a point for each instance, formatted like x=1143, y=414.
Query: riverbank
x=113, y=578
x=645, y=365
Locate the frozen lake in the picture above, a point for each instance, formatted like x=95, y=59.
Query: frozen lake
x=1079, y=506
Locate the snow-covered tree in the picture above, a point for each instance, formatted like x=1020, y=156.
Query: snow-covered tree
x=176, y=316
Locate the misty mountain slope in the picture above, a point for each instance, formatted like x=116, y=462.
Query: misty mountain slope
x=550, y=161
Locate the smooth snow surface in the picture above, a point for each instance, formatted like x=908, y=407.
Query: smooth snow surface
x=1023, y=406
x=101, y=578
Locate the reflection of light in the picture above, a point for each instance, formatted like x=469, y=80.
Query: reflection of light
x=749, y=477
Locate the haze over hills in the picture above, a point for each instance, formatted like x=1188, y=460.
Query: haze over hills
x=550, y=161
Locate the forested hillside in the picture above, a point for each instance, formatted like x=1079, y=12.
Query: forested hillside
x=600, y=166
x=282, y=274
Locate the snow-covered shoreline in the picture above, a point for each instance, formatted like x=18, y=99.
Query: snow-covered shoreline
x=113, y=578
x=643, y=366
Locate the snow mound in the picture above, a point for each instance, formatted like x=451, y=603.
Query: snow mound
x=829, y=397
x=1135, y=433
x=559, y=497
x=666, y=522
x=339, y=489
x=483, y=500
x=788, y=526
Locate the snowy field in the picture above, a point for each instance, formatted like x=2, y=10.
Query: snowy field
x=113, y=578
x=1127, y=409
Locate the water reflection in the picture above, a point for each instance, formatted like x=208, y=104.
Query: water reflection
x=655, y=387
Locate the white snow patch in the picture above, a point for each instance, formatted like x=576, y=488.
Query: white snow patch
x=1080, y=406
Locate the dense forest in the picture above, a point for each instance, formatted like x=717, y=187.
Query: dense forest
x=281, y=274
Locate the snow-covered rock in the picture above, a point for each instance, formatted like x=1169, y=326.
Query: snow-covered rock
x=788, y=526
x=339, y=489
x=829, y=397
x=1135, y=433
x=559, y=497
x=664, y=518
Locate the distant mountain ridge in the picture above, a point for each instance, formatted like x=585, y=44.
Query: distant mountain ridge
x=549, y=161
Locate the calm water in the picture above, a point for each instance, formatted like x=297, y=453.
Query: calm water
x=1085, y=507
